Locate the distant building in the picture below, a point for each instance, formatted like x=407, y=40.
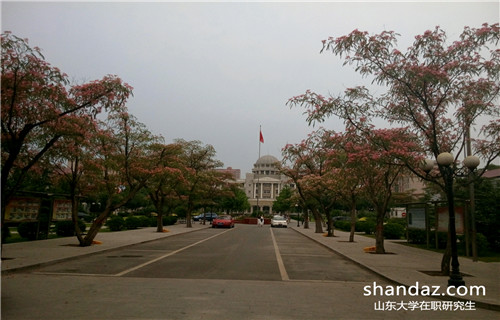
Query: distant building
x=236, y=173
x=493, y=176
x=264, y=184
x=409, y=184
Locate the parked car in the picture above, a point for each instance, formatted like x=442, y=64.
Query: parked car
x=209, y=216
x=279, y=221
x=223, y=221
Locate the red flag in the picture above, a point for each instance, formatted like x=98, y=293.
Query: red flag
x=261, y=137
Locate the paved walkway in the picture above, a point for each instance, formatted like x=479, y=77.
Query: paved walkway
x=402, y=266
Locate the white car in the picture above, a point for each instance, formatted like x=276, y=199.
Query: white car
x=279, y=221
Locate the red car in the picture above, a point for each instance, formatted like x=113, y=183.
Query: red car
x=223, y=221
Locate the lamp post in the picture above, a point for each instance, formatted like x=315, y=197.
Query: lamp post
x=447, y=168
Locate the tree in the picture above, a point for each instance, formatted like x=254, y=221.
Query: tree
x=72, y=162
x=124, y=162
x=378, y=157
x=348, y=182
x=438, y=91
x=311, y=173
x=284, y=202
x=198, y=164
x=294, y=166
x=163, y=184
x=236, y=200
x=38, y=108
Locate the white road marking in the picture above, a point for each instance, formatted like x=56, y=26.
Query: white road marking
x=167, y=255
x=281, y=265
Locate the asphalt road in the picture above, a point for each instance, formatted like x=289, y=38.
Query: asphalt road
x=242, y=253
x=248, y=272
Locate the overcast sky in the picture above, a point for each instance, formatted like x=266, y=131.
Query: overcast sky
x=216, y=71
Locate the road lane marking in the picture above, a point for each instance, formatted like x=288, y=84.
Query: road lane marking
x=281, y=265
x=167, y=255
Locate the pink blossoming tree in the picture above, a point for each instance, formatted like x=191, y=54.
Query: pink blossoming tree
x=39, y=107
x=437, y=90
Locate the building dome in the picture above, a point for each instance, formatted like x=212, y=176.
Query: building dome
x=267, y=159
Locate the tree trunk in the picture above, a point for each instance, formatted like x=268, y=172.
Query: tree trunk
x=330, y=225
x=159, y=222
x=188, y=216
x=353, y=223
x=379, y=232
x=96, y=227
x=318, y=221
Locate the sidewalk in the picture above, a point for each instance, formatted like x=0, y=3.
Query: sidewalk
x=401, y=267
x=404, y=264
x=29, y=254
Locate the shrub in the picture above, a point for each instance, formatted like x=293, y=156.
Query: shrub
x=132, y=223
x=27, y=230
x=401, y=221
x=482, y=244
x=393, y=231
x=115, y=223
x=368, y=226
x=343, y=225
x=144, y=221
x=417, y=236
x=153, y=221
x=169, y=220
x=67, y=228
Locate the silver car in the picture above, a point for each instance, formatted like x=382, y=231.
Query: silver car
x=279, y=221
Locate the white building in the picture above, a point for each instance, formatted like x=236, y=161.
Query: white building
x=264, y=184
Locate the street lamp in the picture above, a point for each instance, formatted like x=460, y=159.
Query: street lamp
x=446, y=161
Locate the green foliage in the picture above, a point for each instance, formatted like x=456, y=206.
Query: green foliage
x=169, y=220
x=368, y=226
x=145, y=221
x=181, y=211
x=393, y=230
x=257, y=213
x=5, y=233
x=67, y=228
x=283, y=202
x=153, y=221
x=400, y=221
x=343, y=225
x=482, y=244
x=132, y=223
x=116, y=223
x=418, y=236
x=28, y=230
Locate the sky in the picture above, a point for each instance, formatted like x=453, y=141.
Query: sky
x=217, y=72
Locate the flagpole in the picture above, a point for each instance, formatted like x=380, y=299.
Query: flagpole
x=258, y=174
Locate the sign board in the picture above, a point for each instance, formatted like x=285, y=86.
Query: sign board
x=416, y=218
x=61, y=210
x=443, y=218
x=22, y=209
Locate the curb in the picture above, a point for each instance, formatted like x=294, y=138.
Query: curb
x=479, y=304
x=55, y=261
